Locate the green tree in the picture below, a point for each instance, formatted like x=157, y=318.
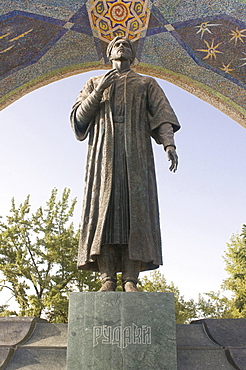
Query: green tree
x=235, y=259
x=38, y=258
x=5, y=312
x=185, y=310
x=38, y=266
x=214, y=306
x=217, y=306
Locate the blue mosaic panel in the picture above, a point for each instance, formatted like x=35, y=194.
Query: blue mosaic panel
x=80, y=22
x=216, y=43
x=24, y=38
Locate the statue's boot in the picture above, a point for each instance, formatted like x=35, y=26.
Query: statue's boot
x=130, y=272
x=108, y=286
x=107, y=267
x=130, y=286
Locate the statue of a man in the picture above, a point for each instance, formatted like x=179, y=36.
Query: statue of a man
x=120, y=111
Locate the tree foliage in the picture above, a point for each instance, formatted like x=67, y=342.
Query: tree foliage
x=217, y=306
x=185, y=310
x=235, y=259
x=214, y=306
x=38, y=258
x=38, y=266
x=5, y=312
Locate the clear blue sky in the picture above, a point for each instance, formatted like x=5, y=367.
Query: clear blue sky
x=201, y=205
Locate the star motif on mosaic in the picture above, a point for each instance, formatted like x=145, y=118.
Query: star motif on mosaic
x=237, y=35
x=19, y=36
x=5, y=50
x=204, y=27
x=244, y=64
x=25, y=38
x=216, y=43
x=211, y=50
x=226, y=68
x=3, y=36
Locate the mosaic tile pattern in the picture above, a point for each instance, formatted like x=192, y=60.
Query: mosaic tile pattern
x=216, y=43
x=25, y=38
x=112, y=18
x=192, y=43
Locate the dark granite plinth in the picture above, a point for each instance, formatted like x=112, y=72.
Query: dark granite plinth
x=115, y=330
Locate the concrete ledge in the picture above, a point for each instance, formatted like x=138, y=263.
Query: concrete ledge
x=200, y=359
x=48, y=335
x=32, y=343
x=195, y=336
x=225, y=332
x=203, y=345
x=38, y=359
x=16, y=330
x=6, y=355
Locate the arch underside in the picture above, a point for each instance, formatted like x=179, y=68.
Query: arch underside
x=199, y=46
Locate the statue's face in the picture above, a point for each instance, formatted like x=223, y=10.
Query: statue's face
x=121, y=50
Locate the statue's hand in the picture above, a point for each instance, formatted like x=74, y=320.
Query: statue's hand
x=173, y=157
x=107, y=80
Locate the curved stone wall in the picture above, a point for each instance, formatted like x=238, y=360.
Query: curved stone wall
x=199, y=45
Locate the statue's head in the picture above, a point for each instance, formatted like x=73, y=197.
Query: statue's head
x=115, y=43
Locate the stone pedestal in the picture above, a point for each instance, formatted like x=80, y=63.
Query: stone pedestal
x=123, y=331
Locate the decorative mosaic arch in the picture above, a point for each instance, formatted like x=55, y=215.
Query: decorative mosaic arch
x=199, y=45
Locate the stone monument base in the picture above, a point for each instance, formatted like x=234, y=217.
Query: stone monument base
x=123, y=331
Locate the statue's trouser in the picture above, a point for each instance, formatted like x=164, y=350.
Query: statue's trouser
x=109, y=260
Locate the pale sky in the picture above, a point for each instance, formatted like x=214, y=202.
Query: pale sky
x=201, y=205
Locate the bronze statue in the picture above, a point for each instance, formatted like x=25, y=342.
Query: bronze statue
x=120, y=111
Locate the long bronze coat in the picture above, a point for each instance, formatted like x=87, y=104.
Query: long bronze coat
x=146, y=108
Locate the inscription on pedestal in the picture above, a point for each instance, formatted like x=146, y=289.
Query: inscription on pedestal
x=121, y=336
x=123, y=331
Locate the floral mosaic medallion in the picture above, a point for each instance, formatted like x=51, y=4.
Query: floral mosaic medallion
x=118, y=18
